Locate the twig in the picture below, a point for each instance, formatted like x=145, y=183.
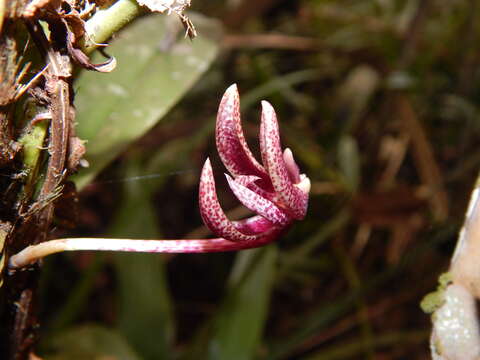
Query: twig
x=101, y=26
x=57, y=87
x=246, y=10
x=271, y=41
x=414, y=33
x=424, y=157
x=374, y=311
x=469, y=56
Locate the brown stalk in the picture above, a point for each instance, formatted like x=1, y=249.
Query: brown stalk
x=414, y=34
x=58, y=90
x=246, y=10
x=271, y=41
x=423, y=155
x=33, y=217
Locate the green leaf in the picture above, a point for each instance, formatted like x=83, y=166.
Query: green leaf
x=90, y=342
x=154, y=71
x=144, y=309
x=349, y=162
x=240, y=320
x=355, y=93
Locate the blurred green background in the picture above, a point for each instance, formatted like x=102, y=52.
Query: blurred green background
x=379, y=101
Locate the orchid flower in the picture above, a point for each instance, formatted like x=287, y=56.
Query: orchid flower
x=275, y=191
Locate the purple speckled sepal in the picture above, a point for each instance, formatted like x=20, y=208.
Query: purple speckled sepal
x=275, y=191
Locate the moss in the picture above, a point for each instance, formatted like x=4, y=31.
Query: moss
x=434, y=300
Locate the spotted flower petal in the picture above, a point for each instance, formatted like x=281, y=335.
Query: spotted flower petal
x=276, y=191
x=256, y=225
x=294, y=198
x=231, y=144
x=212, y=214
x=251, y=182
x=257, y=203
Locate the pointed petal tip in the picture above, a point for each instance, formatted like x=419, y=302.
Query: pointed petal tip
x=305, y=184
x=230, y=103
x=266, y=106
x=207, y=164
x=231, y=144
x=269, y=117
x=232, y=90
x=207, y=183
x=291, y=165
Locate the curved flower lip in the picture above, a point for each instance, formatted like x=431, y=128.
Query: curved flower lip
x=257, y=203
x=210, y=210
x=276, y=190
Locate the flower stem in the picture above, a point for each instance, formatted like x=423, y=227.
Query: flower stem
x=101, y=26
x=35, y=252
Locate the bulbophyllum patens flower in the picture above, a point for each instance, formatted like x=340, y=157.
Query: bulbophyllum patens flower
x=275, y=191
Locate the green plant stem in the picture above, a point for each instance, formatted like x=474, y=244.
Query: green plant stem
x=32, y=142
x=101, y=26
